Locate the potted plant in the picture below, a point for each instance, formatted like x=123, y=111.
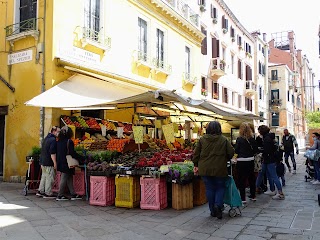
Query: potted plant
x=204, y=92
x=202, y=8
x=233, y=39
x=248, y=54
x=34, y=153
x=214, y=20
x=224, y=30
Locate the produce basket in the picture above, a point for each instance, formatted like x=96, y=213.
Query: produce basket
x=102, y=191
x=153, y=193
x=199, y=191
x=127, y=191
x=182, y=196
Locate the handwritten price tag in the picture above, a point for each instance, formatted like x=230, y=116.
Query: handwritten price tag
x=138, y=134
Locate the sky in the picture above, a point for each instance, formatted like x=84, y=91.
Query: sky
x=271, y=16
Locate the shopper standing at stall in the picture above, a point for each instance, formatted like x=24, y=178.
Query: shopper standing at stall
x=48, y=163
x=210, y=160
x=246, y=148
x=65, y=146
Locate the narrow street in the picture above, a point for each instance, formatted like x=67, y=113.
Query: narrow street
x=296, y=217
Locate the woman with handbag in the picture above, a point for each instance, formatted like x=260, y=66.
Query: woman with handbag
x=316, y=146
x=245, y=149
x=65, y=148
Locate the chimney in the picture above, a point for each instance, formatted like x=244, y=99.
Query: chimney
x=264, y=37
x=292, y=45
x=299, y=55
x=271, y=43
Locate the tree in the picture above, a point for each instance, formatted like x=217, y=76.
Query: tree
x=313, y=119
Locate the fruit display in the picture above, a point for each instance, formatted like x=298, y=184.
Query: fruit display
x=127, y=128
x=181, y=173
x=82, y=122
x=117, y=144
x=109, y=125
x=92, y=123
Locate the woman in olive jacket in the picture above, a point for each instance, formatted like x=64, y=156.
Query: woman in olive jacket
x=210, y=160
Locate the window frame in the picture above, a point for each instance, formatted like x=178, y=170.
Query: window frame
x=90, y=14
x=158, y=50
x=145, y=49
x=187, y=60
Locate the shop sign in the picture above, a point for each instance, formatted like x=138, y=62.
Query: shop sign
x=20, y=57
x=77, y=54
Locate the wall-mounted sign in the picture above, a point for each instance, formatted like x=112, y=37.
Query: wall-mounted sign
x=67, y=52
x=19, y=57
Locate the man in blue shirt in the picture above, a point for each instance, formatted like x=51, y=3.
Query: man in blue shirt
x=48, y=163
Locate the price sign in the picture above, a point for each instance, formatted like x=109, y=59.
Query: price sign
x=138, y=134
x=168, y=132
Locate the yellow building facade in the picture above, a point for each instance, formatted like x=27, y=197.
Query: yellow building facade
x=154, y=44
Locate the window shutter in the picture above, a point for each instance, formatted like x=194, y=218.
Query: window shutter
x=239, y=69
x=214, y=47
x=226, y=24
x=211, y=11
x=223, y=21
x=204, y=42
x=215, y=13
x=251, y=78
x=218, y=48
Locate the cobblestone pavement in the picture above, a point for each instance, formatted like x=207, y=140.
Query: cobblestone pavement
x=296, y=217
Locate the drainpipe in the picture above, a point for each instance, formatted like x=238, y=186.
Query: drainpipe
x=43, y=86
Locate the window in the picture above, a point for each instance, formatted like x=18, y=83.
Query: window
x=224, y=53
x=239, y=101
x=248, y=73
x=259, y=47
x=275, y=94
x=261, y=115
x=248, y=104
x=274, y=75
x=233, y=98
x=204, y=41
x=232, y=63
x=202, y=2
x=275, y=119
x=28, y=10
x=232, y=32
x=215, y=91
x=203, y=83
x=215, y=48
x=260, y=92
x=288, y=96
x=225, y=95
x=187, y=60
x=143, y=42
x=239, y=40
x=160, y=48
x=224, y=23
x=292, y=99
x=92, y=15
x=239, y=69
x=214, y=12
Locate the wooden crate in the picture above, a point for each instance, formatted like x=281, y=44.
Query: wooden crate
x=182, y=196
x=199, y=192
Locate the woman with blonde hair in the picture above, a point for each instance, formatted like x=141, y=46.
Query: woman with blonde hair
x=246, y=148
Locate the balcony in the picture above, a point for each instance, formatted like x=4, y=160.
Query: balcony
x=180, y=8
x=290, y=84
x=275, y=102
x=251, y=88
x=275, y=78
x=217, y=68
x=188, y=79
x=161, y=67
x=21, y=30
x=95, y=38
x=143, y=59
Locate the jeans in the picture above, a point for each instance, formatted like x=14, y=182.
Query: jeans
x=245, y=172
x=47, y=180
x=272, y=176
x=283, y=180
x=66, y=180
x=316, y=166
x=215, y=188
x=293, y=160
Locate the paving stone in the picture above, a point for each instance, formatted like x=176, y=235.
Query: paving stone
x=198, y=236
x=92, y=232
x=226, y=234
x=293, y=237
x=256, y=227
x=164, y=229
x=239, y=221
x=178, y=233
x=206, y=228
x=216, y=238
x=249, y=237
x=259, y=233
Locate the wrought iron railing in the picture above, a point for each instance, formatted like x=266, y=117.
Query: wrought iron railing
x=96, y=36
x=184, y=10
x=275, y=102
x=251, y=86
x=27, y=25
x=157, y=63
x=144, y=57
x=217, y=63
x=189, y=79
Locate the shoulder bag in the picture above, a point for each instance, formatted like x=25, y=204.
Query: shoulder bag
x=257, y=159
x=72, y=162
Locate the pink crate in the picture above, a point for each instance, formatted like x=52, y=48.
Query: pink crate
x=102, y=191
x=153, y=193
x=79, y=184
x=56, y=183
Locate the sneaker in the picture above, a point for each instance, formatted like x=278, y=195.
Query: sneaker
x=39, y=194
x=76, y=197
x=278, y=197
x=244, y=202
x=294, y=172
x=313, y=180
x=49, y=196
x=289, y=169
x=316, y=182
x=271, y=193
x=252, y=198
x=62, y=198
x=217, y=212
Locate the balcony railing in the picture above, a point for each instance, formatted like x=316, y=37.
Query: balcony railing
x=162, y=66
x=97, y=37
x=251, y=86
x=188, y=79
x=275, y=78
x=184, y=10
x=217, y=63
x=144, y=59
x=275, y=102
x=290, y=84
x=27, y=25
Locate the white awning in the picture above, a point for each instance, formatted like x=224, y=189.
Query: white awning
x=80, y=91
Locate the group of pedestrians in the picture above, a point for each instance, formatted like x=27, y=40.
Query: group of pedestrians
x=315, y=163
x=55, y=147
x=213, y=151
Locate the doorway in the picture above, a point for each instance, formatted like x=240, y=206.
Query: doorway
x=2, y=126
